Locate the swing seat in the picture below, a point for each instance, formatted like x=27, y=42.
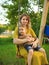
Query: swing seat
x=46, y=31
x=38, y=57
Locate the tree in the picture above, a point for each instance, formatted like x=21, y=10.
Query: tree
x=17, y=6
x=2, y=28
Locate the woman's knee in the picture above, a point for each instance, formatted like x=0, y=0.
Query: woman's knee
x=42, y=50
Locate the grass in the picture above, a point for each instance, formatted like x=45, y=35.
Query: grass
x=46, y=47
x=8, y=52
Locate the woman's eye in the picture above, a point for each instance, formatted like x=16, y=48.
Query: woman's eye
x=23, y=19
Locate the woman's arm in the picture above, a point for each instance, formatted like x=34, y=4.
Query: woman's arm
x=19, y=41
x=36, y=41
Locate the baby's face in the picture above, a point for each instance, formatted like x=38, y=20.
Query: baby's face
x=22, y=31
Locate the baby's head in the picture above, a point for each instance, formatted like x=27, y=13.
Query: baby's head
x=30, y=36
x=22, y=30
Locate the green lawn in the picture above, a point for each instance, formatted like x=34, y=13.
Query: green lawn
x=8, y=52
x=46, y=47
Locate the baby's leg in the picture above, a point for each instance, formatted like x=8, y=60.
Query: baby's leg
x=30, y=54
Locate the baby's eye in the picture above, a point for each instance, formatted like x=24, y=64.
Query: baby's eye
x=29, y=36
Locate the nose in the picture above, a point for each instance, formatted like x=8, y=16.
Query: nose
x=25, y=21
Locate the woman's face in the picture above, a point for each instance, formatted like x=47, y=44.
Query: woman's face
x=24, y=21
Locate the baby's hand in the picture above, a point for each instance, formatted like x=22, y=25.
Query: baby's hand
x=29, y=39
x=34, y=45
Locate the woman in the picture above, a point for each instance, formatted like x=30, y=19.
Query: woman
x=25, y=22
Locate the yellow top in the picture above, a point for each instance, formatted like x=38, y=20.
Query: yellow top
x=28, y=31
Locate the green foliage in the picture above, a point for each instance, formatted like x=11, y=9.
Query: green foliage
x=2, y=29
x=47, y=21
x=35, y=21
x=39, y=2
x=23, y=6
x=14, y=9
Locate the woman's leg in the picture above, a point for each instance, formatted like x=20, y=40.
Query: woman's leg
x=30, y=54
x=43, y=51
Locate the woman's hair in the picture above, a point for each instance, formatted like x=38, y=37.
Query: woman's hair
x=28, y=18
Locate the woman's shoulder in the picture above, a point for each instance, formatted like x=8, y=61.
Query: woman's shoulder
x=15, y=35
x=16, y=30
x=32, y=32
x=30, y=29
